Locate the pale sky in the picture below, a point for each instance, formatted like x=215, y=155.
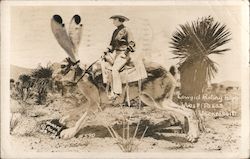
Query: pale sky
x=32, y=41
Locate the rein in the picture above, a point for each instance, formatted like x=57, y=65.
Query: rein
x=67, y=67
x=86, y=71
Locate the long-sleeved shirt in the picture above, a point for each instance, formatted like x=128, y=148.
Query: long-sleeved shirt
x=121, y=39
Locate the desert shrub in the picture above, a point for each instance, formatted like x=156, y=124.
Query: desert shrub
x=12, y=85
x=12, y=80
x=24, y=78
x=43, y=83
x=229, y=88
x=42, y=72
x=25, y=82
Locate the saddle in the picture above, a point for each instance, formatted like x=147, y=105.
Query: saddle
x=134, y=70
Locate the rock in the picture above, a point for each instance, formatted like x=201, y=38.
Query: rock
x=26, y=126
x=37, y=113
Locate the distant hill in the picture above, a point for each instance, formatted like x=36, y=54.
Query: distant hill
x=16, y=71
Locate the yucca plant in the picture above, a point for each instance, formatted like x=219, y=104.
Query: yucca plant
x=192, y=44
x=25, y=84
x=42, y=72
x=43, y=82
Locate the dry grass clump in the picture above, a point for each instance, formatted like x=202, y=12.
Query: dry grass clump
x=126, y=142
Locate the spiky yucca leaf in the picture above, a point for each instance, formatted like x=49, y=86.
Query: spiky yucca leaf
x=202, y=37
x=42, y=72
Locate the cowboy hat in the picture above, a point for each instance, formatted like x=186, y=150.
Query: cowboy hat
x=120, y=17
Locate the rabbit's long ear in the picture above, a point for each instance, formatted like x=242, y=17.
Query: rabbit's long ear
x=75, y=32
x=62, y=37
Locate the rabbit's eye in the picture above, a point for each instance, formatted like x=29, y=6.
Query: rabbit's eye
x=63, y=66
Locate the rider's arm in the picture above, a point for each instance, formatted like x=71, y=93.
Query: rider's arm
x=131, y=42
x=125, y=32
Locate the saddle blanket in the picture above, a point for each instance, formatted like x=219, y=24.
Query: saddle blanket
x=128, y=74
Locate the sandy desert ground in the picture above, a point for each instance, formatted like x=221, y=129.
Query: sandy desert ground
x=223, y=134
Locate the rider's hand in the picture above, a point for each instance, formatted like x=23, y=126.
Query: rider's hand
x=131, y=46
x=108, y=50
x=131, y=49
x=69, y=83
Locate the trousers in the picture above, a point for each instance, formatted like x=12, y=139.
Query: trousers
x=119, y=61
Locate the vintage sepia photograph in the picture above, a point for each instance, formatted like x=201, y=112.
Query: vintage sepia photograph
x=131, y=80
